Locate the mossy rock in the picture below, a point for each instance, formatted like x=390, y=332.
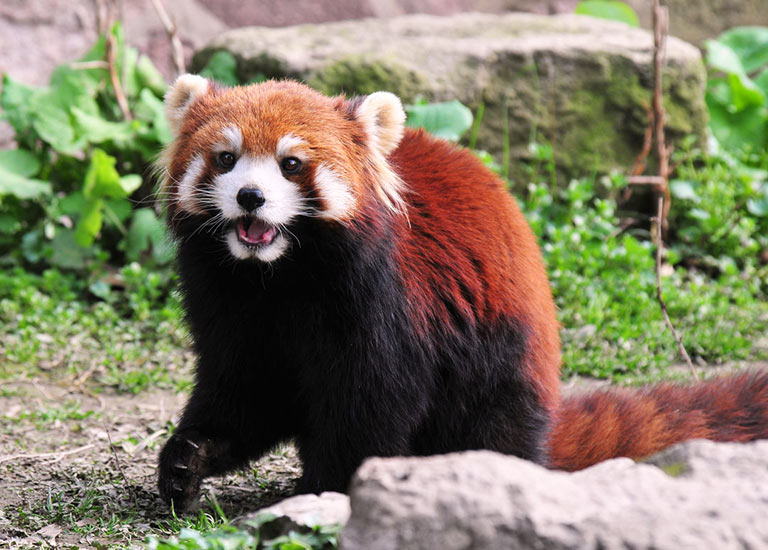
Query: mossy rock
x=582, y=85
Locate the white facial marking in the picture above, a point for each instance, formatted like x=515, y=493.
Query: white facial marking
x=232, y=140
x=282, y=200
x=186, y=188
x=282, y=203
x=335, y=192
x=290, y=146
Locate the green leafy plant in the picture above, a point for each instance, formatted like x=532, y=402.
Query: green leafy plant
x=448, y=119
x=608, y=9
x=737, y=89
x=603, y=279
x=67, y=193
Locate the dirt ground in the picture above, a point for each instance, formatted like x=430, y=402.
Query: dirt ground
x=77, y=469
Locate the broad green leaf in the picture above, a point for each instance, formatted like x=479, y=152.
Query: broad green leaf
x=130, y=183
x=74, y=89
x=719, y=90
x=147, y=229
x=95, y=129
x=9, y=224
x=22, y=187
x=750, y=44
x=682, y=189
x=128, y=77
x=149, y=77
x=761, y=81
x=759, y=206
x=79, y=81
x=16, y=99
x=72, y=204
x=606, y=9
x=722, y=58
x=121, y=208
x=101, y=179
x=151, y=109
x=221, y=67
x=736, y=130
x=744, y=92
x=448, y=120
x=66, y=252
x=89, y=223
x=20, y=162
x=52, y=123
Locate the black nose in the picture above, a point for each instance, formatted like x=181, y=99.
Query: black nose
x=250, y=198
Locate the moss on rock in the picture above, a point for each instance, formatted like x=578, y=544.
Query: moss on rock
x=367, y=74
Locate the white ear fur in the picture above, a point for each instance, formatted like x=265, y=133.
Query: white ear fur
x=383, y=116
x=180, y=96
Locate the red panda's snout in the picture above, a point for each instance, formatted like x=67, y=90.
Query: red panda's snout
x=250, y=165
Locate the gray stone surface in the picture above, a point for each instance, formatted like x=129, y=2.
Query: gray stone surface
x=300, y=513
x=580, y=83
x=703, y=495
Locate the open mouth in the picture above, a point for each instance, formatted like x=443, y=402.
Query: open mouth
x=254, y=233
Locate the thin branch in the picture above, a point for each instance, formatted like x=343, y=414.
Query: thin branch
x=655, y=131
x=660, y=19
x=85, y=65
x=100, y=7
x=172, y=32
x=659, y=248
x=114, y=78
x=657, y=181
x=128, y=487
x=55, y=456
x=639, y=165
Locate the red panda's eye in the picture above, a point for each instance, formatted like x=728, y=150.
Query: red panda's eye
x=226, y=160
x=290, y=165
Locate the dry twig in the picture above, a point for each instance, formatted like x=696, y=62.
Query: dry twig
x=660, y=182
x=115, y=79
x=55, y=456
x=172, y=32
x=128, y=486
x=104, y=19
x=660, y=28
x=659, y=247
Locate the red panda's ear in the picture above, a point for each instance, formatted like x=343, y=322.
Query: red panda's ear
x=180, y=96
x=383, y=117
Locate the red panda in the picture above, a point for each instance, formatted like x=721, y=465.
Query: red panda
x=367, y=289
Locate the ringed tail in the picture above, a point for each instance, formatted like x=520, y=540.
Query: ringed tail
x=637, y=423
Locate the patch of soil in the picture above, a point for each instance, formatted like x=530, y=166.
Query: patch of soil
x=78, y=469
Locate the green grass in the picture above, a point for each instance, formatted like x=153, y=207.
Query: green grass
x=129, y=339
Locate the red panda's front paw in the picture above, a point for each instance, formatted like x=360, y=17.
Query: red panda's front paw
x=181, y=469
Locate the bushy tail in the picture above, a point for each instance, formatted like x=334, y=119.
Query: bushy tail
x=637, y=423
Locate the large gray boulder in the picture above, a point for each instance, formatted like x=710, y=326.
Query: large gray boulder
x=701, y=495
x=579, y=83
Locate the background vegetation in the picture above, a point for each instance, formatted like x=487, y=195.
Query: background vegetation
x=87, y=276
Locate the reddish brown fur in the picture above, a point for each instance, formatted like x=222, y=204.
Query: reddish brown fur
x=637, y=423
x=483, y=257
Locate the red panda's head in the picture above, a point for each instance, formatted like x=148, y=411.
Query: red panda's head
x=249, y=161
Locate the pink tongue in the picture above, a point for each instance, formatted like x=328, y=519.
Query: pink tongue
x=256, y=233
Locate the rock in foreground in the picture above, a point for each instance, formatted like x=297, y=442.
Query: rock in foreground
x=701, y=495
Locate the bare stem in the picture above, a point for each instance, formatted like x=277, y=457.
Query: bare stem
x=659, y=248
x=172, y=32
